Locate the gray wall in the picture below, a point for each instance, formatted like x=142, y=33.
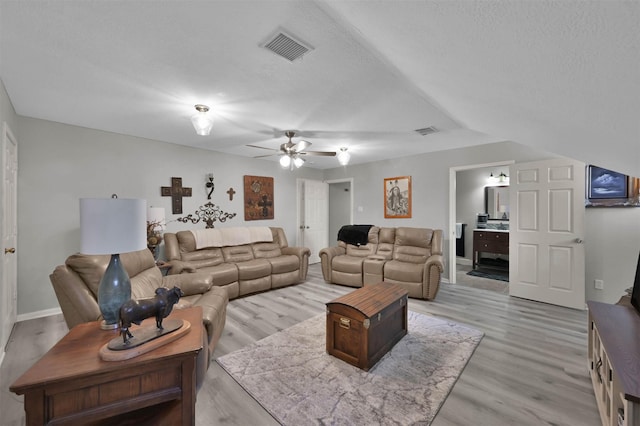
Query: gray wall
x=612, y=239
x=58, y=164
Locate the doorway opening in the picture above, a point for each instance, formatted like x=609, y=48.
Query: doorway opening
x=467, y=199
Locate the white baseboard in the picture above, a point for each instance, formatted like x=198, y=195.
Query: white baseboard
x=38, y=314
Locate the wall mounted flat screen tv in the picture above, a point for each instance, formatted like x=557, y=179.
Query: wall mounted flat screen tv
x=635, y=293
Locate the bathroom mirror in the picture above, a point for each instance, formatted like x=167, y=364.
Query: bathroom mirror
x=496, y=202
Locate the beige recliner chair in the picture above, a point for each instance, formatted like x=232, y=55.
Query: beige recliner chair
x=76, y=286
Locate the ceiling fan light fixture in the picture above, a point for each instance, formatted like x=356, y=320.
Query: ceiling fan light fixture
x=201, y=121
x=344, y=157
x=298, y=162
x=285, y=161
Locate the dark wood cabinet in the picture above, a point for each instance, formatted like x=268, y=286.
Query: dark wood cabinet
x=487, y=241
x=614, y=357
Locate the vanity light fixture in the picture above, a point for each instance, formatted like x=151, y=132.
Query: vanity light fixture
x=202, y=122
x=344, y=157
x=502, y=178
x=492, y=179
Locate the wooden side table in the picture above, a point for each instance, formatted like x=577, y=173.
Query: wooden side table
x=71, y=384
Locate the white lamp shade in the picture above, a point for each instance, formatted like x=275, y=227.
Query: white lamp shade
x=112, y=225
x=285, y=161
x=202, y=123
x=343, y=157
x=157, y=215
x=298, y=162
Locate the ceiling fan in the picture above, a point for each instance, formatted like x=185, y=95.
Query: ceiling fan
x=292, y=153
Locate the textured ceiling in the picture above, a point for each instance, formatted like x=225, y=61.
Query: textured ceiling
x=562, y=76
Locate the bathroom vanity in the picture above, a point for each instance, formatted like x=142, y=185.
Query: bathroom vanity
x=494, y=241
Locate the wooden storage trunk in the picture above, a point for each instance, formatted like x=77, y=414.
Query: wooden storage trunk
x=364, y=324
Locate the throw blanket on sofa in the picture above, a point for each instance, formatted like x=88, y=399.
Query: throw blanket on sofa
x=224, y=237
x=354, y=234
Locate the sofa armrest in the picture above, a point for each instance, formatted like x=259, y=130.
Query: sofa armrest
x=190, y=284
x=326, y=256
x=433, y=268
x=180, y=266
x=78, y=303
x=303, y=254
x=214, y=314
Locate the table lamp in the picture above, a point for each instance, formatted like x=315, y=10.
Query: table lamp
x=112, y=226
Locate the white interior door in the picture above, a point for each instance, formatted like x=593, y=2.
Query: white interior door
x=546, y=254
x=9, y=292
x=314, y=217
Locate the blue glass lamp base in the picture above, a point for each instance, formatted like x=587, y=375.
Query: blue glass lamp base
x=114, y=290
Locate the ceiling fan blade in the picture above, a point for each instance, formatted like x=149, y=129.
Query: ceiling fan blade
x=301, y=146
x=268, y=155
x=262, y=147
x=322, y=153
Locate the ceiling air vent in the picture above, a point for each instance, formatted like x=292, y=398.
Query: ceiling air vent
x=426, y=131
x=285, y=46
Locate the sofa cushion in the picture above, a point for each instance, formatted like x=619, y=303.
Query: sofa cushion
x=91, y=268
x=403, y=271
x=234, y=254
x=252, y=269
x=205, y=257
x=349, y=264
x=284, y=263
x=361, y=251
x=144, y=284
x=266, y=250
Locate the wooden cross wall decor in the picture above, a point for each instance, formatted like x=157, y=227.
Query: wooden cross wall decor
x=176, y=191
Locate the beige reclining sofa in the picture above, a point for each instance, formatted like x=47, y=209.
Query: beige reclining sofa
x=410, y=257
x=76, y=286
x=243, y=260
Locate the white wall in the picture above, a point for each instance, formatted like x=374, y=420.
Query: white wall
x=612, y=239
x=612, y=245
x=58, y=164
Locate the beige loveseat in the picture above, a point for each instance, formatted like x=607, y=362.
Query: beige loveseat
x=76, y=286
x=410, y=257
x=243, y=260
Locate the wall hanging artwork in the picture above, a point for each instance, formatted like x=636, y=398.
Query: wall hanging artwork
x=397, y=197
x=258, y=198
x=606, y=188
x=209, y=213
x=176, y=191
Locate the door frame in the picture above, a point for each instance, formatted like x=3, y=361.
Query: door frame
x=351, y=183
x=299, y=197
x=452, y=209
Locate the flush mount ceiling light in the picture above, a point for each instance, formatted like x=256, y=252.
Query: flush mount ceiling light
x=202, y=122
x=344, y=157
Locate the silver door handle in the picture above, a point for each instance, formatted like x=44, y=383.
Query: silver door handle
x=578, y=240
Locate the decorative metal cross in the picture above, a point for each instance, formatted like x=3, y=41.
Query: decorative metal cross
x=265, y=204
x=231, y=192
x=176, y=192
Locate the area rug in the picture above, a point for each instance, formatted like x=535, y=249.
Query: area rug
x=490, y=275
x=298, y=383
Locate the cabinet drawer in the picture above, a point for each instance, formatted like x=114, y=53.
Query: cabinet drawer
x=501, y=237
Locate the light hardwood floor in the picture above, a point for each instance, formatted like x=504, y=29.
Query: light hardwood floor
x=530, y=368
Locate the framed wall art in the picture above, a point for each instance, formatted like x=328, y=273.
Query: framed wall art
x=606, y=188
x=397, y=197
x=258, y=198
